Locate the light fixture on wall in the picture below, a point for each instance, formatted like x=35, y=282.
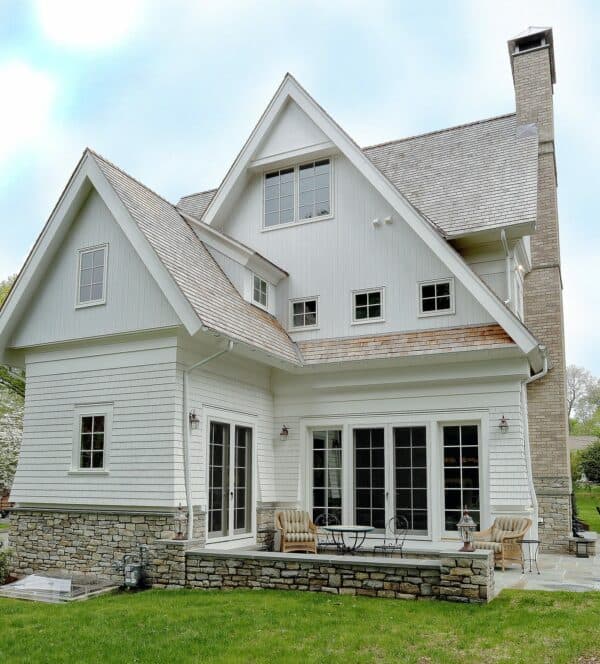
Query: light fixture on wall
x=194, y=419
x=283, y=434
x=503, y=426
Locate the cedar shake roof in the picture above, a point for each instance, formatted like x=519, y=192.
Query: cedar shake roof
x=213, y=297
x=464, y=179
x=403, y=344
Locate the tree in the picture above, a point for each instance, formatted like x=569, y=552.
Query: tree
x=5, y=287
x=590, y=461
x=583, y=393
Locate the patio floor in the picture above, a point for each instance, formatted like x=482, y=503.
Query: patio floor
x=557, y=572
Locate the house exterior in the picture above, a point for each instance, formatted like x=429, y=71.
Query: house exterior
x=365, y=332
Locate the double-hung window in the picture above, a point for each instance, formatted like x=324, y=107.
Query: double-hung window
x=260, y=291
x=367, y=306
x=91, y=277
x=304, y=313
x=436, y=297
x=297, y=193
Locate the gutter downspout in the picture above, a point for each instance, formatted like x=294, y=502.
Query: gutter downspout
x=508, y=300
x=531, y=379
x=187, y=473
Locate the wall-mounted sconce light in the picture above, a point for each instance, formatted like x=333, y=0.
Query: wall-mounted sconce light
x=194, y=419
x=387, y=220
x=283, y=434
x=376, y=222
x=503, y=426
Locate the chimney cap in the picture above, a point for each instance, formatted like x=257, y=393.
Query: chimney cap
x=531, y=38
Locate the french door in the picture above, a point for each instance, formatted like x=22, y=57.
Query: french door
x=230, y=479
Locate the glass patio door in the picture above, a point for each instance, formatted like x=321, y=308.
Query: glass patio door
x=230, y=479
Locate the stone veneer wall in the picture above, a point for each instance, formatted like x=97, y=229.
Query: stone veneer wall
x=86, y=542
x=454, y=578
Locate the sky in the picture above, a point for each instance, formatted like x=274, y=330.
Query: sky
x=170, y=91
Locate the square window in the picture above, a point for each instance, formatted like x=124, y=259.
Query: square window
x=92, y=276
x=436, y=297
x=368, y=305
x=304, y=313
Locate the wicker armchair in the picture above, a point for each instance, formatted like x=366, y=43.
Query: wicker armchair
x=503, y=539
x=298, y=532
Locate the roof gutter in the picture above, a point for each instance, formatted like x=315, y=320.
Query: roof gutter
x=187, y=473
x=508, y=300
x=532, y=379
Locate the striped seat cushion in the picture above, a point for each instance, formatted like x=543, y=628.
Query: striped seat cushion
x=299, y=537
x=496, y=547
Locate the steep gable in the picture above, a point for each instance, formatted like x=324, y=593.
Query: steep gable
x=133, y=300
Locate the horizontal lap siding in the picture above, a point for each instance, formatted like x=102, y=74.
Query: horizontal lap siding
x=140, y=381
x=236, y=390
x=508, y=476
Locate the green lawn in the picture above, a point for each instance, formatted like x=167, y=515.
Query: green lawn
x=586, y=500
x=272, y=626
x=3, y=526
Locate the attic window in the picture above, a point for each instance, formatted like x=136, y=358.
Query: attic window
x=279, y=197
x=259, y=291
x=436, y=297
x=91, y=282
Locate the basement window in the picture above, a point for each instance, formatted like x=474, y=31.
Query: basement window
x=91, y=276
x=436, y=297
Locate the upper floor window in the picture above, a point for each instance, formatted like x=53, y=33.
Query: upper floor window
x=304, y=313
x=91, y=286
x=279, y=197
x=313, y=185
x=259, y=291
x=297, y=193
x=436, y=297
x=367, y=306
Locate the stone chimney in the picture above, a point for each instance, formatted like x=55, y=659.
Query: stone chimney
x=532, y=60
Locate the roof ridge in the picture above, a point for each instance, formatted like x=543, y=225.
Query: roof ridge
x=439, y=131
x=118, y=168
x=197, y=193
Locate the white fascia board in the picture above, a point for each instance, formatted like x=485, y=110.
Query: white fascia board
x=152, y=262
x=235, y=250
x=291, y=89
x=292, y=156
x=87, y=175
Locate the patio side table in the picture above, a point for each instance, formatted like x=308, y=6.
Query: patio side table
x=529, y=553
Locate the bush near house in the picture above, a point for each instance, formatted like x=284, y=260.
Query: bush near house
x=590, y=461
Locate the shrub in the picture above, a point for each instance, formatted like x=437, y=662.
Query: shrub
x=590, y=461
x=5, y=557
x=575, y=465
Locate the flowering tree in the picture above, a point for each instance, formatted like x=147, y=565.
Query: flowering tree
x=11, y=432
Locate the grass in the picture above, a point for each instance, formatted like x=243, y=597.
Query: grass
x=272, y=626
x=586, y=500
x=3, y=526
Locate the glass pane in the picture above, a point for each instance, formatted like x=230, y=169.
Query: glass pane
x=311, y=319
x=374, y=297
x=286, y=175
x=322, y=181
x=443, y=303
x=469, y=435
x=443, y=289
x=451, y=519
x=85, y=460
x=322, y=196
x=428, y=291
x=97, y=459
x=452, y=456
x=86, y=424
x=420, y=498
x=87, y=260
x=98, y=257
x=96, y=292
x=299, y=320
x=419, y=436
x=451, y=435
x=318, y=458
x=98, y=441
x=85, y=278
x=286, y=189
x=85, y=293
x=319, y=477
x=287, y=216
x=360, y=299
x=319, y=497
x=319, y=438
x=307, y=197
x=306, y=212
x=375, y=311
x=286, y=202
x=403, y=456
x=272, y=193
x=272, y=219
x=98, y=423
x=306, y=170
x=470, y=456
x=322, y=166
x=428, y=305
x=360, y=313
x=298, y=307
x=86, y=441
x=272, y=205
x=452, y=478
x=419, y=457
x=470, y=477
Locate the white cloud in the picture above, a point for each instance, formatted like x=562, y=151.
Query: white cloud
x=88, y=24
x=25, y=112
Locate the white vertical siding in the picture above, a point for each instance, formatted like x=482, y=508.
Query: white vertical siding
x=133, y=300
x=138, y=378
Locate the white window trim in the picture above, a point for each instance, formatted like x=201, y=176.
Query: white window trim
x=91, y=303
x=291, y=326
x=441, y=312
x=297, y=221
x=264, y=307
x=87, y=410
x=367, y=321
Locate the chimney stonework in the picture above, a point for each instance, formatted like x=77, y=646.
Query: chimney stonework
x=533, y=75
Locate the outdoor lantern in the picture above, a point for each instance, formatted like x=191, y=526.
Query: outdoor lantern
x=503, y=424
x=466, y=527
x=283, y=434
x=180, y=518
x=194, y=419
